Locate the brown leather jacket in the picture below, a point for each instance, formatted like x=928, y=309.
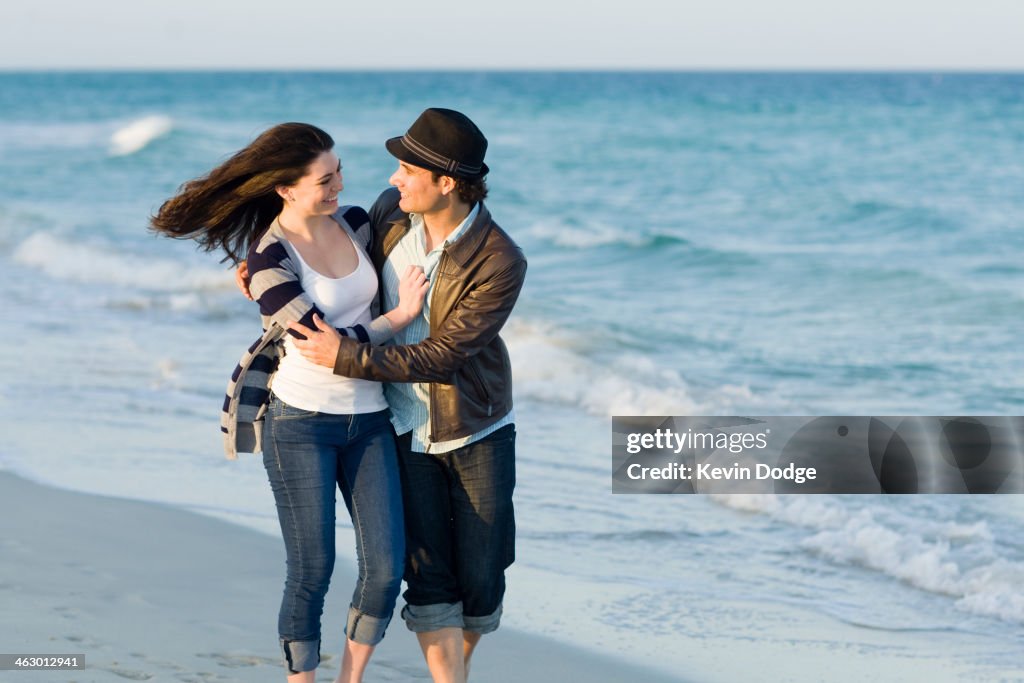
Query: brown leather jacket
x=476, y=284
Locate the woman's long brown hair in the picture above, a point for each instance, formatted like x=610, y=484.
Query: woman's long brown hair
x=231, y=206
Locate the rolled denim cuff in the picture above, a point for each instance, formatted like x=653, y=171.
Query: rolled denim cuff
x=425, y=618
x=301, y=655
x=482, y=625
x=365, y=628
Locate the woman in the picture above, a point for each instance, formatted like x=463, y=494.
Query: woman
x=276, y=203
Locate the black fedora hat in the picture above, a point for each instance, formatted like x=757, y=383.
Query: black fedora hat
x=445, y=141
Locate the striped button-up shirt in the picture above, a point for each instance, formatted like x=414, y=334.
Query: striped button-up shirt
x=410, y=403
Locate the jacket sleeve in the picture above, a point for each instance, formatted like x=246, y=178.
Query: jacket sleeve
x=473, y=324
x=275, y=286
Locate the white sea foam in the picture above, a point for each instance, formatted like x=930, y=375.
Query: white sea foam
x=139, y=133
x=990, y=589
x=905, y=555
x=994, y=590
x=747, y=502
x=65, y=259
x=587, y=237
x=552, y=366
x=925, y=554
x=966, y=532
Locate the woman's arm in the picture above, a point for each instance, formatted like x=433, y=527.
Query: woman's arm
x=271, y=282
x=412, y=287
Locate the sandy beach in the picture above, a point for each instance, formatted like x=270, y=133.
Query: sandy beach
x=151, y=593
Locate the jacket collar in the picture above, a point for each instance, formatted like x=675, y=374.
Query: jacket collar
x=464, y=248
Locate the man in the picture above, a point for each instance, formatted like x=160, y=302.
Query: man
x=451, y=391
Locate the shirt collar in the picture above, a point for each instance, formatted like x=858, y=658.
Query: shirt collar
x=416, y=224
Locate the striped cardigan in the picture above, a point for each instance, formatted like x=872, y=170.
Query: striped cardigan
x=274, y=284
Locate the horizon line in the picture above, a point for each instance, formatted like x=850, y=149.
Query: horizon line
x=520, y=69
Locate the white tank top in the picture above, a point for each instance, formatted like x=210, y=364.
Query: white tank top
x=345, y=301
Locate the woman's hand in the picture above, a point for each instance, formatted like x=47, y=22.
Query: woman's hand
x=412, y=288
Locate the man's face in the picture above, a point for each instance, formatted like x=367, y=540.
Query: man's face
x=420, y=193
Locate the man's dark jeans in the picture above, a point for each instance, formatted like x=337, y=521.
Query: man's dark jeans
x=460, y=532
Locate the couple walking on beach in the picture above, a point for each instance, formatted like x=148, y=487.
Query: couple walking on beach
x=408, y=413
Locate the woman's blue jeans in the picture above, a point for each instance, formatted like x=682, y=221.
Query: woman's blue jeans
x=309, y=456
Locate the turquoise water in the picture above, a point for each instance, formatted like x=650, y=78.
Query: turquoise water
x=698, y=244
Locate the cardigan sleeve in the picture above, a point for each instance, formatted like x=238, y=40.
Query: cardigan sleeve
x=274, y=284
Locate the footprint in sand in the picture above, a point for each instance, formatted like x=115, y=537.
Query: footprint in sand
x=202, y=677
x=135, y=599
x=90, y=571
x=160, y=663
x=84, y=641
x=237, y=661
x=131, y=675
x=67, y=612
x=397, y=671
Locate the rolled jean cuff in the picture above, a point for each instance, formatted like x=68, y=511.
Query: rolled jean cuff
x=364, y=628
x=482, y=625
x=425, y=618
x=301, y=655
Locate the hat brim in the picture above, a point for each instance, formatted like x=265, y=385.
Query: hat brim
x=398, y=150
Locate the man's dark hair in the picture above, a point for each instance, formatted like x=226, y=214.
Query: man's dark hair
x=471, y=190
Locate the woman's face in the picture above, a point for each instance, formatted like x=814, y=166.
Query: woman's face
x=316, y=193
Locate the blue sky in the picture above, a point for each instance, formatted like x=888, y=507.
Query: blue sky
x=321, y=34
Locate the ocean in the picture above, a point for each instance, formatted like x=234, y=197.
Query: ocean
x=699, y=244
